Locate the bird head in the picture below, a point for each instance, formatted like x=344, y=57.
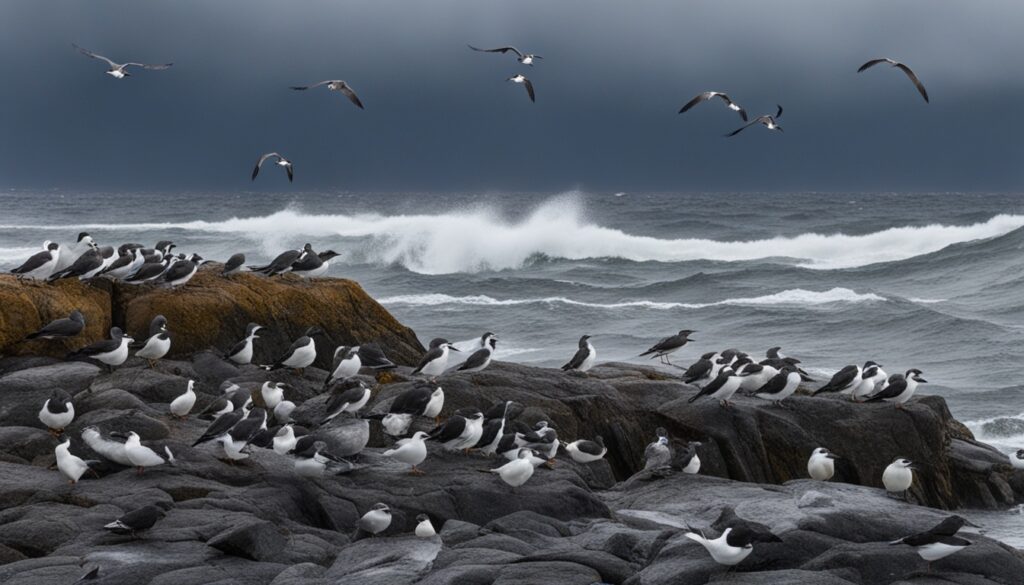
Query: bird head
x=915, y=374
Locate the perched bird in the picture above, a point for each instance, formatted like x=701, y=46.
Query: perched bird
x=898, y=476
x=234, y=265
x=701, y=370
x=137, y=520
x=182, y=404
x=242, y=433
x=346, y=364
x=376, y=520
x=285, y=439
x=735, y=543
x=70, y=326
x=659, y=453
x=688, y=460
x=421, y=400
x=241, y=352
x=412, y=451
x=158, y=343
x=68, y=254
x=234, y=398
x=870, y=377
x=495, y=420
x=938, y=542
x=335, y=85
x=516, y=472
x=665, y=347
x=301, y=354
x=769, y=122
x=821, y=466
x=522, y=80
x=85, y=267
x=142, y=456
x=281, y=263
x=126, y=264
x=40, y=265
x=281, y=162
x=71, y=466
x=150, y=271
x=584, y=358
x=780, y=387
x=179, y=273
x=461, y=431
x=111, y=352
x=707, y=95
x=721, y=388
x=583, y=451
x=57, y=412
x=221, y=425
x=424, y=529
x=272, y=394
x=899, y=388
x=543, y=439
x=118, y=70
x=314, y=265
x=373, y=357
x=435, y=360
x=481, y=358
x=845, y=380
x=913, y=78
x=524, y=58
x=315, y=460
x=348, y=395
x=1017, y=459
x=108, y=449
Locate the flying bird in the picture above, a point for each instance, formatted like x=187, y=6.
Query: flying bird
x=334, y=85
x=524, y=58
x=769, y=122
x=707, y=95
x=117, y=70
x=281, y=162
x=901, y=67
x=523, y=80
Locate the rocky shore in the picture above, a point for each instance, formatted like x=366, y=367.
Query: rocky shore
x=257, y=522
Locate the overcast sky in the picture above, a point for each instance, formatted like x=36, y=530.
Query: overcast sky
x=441, y=117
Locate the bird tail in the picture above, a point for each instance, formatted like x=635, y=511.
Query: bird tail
x=694, y=397
x=648, y=352
x=170, y=456
x=825, y=388
x=696, y=536
x=31, y=336
x=899, y=541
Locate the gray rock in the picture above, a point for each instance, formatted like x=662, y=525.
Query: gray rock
x=256, y=540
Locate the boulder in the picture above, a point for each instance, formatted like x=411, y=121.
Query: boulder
x=29, y=306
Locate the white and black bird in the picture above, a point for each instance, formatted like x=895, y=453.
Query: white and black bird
x=1017, y=459
x=301, y=354
x=272, y=394
x=543, y=439
x=314, y=265
x=107, y=448
x=125, y=265
x=495, y=420
x=939, y=541
x=281, y=162
x=845, y=380
x=870, y=378
x=701, y=370
x=234, y=265
x=348, y=395
x=688, y=460
x=70, y=253
x=522, y=80
x=283, y=262
x=769, y=122
x=721, y=388
x=40, y=265
x=435, y=361
x=584, y=357
x=421, y=400
x=481, y=358
x=142, y=456
x=524, y=58
x=899, y=388
x=119, y=70
x=411, y=451
x=780, y=386
x=734, y=544
x=913, y=77
x=708, y=95
x=85, y=267
x=137, y=520
x=337, y=85
x=518, y=471
x=667, y=346
x=584, y=451
x=424, y=528
x=71, y=466
x=111, y=352
x=179, y=273
x=183, y=403
x=312, y=459
x=221, y=425
x=69, y=326
x=821, y=466
x=242, y=433
x=158, y=343
x=151, y=271
x=659, y=453
x=374, y=522
x=284, y=440
x=347, y=363
x=462, y=430
x=373, y=357
x=898, y=476
x=241, y=352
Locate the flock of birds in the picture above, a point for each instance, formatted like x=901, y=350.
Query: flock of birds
x=261, y=418
x=769, y=121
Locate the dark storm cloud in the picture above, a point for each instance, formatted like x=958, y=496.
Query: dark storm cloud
x=439, y=116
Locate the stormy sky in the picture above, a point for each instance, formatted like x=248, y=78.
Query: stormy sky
x=440, y=117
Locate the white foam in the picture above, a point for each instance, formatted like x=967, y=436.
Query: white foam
x=19, y=254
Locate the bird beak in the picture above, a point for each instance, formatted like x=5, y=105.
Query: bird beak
x=119, y=435
x=832, y=456
x=453, y=348
x=922, y=381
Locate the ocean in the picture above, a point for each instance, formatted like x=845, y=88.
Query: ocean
x=930, y=281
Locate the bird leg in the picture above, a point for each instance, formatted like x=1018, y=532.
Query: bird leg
x=139, y=470
x=416, y=471
x=152, y=363
x=550, y=463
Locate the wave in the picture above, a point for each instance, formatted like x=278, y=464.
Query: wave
x=482, y=239
x=798, y=297
x=18, y=254
x=1001, y=431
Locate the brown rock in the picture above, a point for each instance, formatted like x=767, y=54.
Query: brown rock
x=27, y=307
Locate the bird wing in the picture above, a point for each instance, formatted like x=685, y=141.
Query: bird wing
x=697, y=370
x=872, y=63
x=475, y=360
x=178, y=270
x=913, y=77
x=577, y=359
x=893, y=389
x=234, y=261
x=729, y=102
x=711, y=388
x=351, y=95
x=89, y=53
x=742, y=128
x=237, y=348
x=529, y=89
x=670, y=342
x=262, y=159
x=220, y=425
x=305, y=87
x=840, y=379
x=151, y=67
x=778, y=114
x=501, y=50
x=430, y=356
x=589, y=447
x=35, y=261
x=698, y=99
x=412, y=401
x=450, y=430
x=291, y=172
x=774, y=385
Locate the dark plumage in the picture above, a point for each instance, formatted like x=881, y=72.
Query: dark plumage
x=913, y=78
x=219, y=426
x=373, y=357
x=70, y=326
x=137, y=520
x=233, y=265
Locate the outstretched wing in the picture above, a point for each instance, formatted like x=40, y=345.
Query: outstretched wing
x=698, y=99
x=351, y=95
x=501, y=50
x=305, y=87
x=158, y=67
x=742, y=128
x=872, y=63
x=259, y=163
x=89, y=53
x=529, y=90
x=917, y=82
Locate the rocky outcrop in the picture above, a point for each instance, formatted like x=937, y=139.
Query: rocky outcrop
x=209, y=311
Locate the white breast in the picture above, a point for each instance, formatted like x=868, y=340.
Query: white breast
x=303, y=357
x=897, y=479
x=155, y=348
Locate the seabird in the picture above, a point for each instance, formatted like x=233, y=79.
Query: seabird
x=584, y=358
x=180, y=273
x=543, y=439
x=71, y=466
x=659, y=453
x=70, y=326
x=314, y=460
x=870, y=377
x=663, y=348
x=461, y=431
x=221, y=425
x=346, y=364
x=516, y=472
x=1017, y=459
x=900, y=387
x=347, y=395
x=769, y=122
x=137, y=520
x=272, y=394
x=283, y=411
x=721, y=388
x=373, y=357
x=334, y=85
x=142, y=456
x=481, y=358
x=314, y=265
x=707, y=95
x=111, y=352
x=281, y=162
x=232, y=400
x=158, y=343
x=412, y=451
x=701, y=369
x=68, y=254
x=376, y=520
x=424, y=529
x=524, y=58
x=301, y=354
x=583, y=451
x=780, y=387
x=85, y=267
x=688, y=460
x=151, y=271
x=182, y=404
x=234, y=265
x=898, y=476
x=242, y=433
x=241, y=353
x=521, y=79
x=821, y=466
x=845, y=380
x=494, y=426
x=40, y=265
x=284, y=440
x=108, y=449
x=125, y=265
x=117, y=70
x=435, y=360
x=938, y=542
x=421, y=400
x=283, y=262
x=735, y=544
x=901, y=67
